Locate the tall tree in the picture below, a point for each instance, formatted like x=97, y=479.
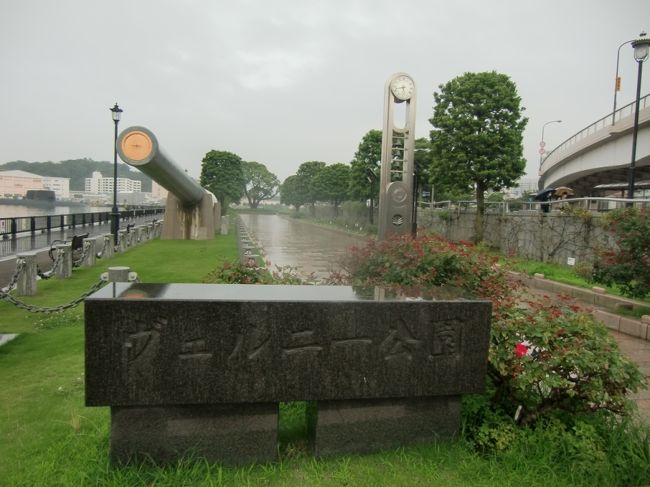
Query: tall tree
x=222, y=173
x=307, y=171
x=259, y=183
x=477, y=136
x=331, y=184
x=293, y=192
x=364, y=170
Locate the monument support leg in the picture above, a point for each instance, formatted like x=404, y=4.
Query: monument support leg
x=370, y=425
x=233, y=434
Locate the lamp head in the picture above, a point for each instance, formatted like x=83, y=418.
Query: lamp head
x=641, y=49
x=116, y=112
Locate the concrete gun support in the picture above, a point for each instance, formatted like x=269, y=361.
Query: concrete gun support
x=192, y=213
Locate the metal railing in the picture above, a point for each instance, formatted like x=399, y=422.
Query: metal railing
x=606, y=121
x=15, y=226
x=591, y=204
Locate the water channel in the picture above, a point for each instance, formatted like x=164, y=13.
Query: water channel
x=312, y=249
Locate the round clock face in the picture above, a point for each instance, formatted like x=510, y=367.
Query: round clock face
x=402, y=87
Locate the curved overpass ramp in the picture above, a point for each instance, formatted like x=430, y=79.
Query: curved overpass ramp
x=600, y=153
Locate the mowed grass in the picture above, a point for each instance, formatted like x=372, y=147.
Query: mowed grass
x=49, y=438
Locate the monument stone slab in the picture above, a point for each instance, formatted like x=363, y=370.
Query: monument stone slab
x=384, y=373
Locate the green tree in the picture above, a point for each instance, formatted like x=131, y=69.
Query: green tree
x=364, y=170
x=222, y=173
x=307, y=172
x=477, y=136
x=294, y=192
x=331, y=184
x=259, y=183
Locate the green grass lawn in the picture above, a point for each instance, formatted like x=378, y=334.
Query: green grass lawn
x=48, y=437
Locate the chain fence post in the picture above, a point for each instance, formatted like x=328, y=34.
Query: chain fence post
x=90, y=257
x=64, y=269
x=121, y=241
x=109, y=250
x=26, y=284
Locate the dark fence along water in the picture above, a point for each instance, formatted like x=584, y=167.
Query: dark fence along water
x=20, y=226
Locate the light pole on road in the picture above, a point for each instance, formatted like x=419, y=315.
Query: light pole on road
x=641, y=48
x=542, y=144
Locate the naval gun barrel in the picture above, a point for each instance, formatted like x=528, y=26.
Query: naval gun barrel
x=139, y=147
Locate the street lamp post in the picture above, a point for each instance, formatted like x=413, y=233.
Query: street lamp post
x=641, y=48
x=115, y=213
x=617, y=81
x=542, y=144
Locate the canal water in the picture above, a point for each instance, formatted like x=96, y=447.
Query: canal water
x=311, y=249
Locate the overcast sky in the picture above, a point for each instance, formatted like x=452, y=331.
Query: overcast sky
x=283, y=82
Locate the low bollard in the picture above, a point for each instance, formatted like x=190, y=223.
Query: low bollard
x=26, y=284
x=90, y=247
x=122, y=241
x=109, y=249
x=64, y=270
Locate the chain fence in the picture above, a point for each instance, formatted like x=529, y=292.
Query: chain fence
x=55, y=266
x=20, y=265
x=5, y=296
x=84, y=252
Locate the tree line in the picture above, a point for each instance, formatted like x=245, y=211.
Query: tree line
x=474, y=147
x=77, y=170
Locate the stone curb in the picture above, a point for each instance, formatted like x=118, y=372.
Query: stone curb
x=622, y=324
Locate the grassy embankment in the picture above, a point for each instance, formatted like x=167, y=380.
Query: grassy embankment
x=48, y=437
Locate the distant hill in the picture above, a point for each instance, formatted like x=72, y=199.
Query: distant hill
x=78, y=170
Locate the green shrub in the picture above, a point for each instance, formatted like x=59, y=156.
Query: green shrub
x=628, y=263
x=553, y=359
x=545, y=359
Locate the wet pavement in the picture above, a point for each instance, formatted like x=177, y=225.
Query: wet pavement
x=312, y=249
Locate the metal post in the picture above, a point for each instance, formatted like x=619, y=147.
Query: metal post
x=616, y=85
x=635, y=133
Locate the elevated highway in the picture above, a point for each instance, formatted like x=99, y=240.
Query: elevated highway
x=600, y=153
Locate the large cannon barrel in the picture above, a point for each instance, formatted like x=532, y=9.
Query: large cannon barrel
x=139, y=147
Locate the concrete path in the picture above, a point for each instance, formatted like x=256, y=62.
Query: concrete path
x=638, y=351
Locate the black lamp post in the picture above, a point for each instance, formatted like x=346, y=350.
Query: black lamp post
x=116, y=112
x=641, y=49
x=617, y=80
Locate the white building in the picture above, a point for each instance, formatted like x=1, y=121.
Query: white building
x=60, y=186
x=524, y=185
x=98, y=184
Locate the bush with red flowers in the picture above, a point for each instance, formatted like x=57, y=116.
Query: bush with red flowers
x=545, y=358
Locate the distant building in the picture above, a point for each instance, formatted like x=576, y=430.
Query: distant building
x=157, y=191
x=17, y=183
x=98, y=184
x=524, y=185
x=60, y=186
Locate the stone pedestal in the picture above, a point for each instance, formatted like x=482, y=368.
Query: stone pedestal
x=198, y=222
x=233, y=434
x=370, y=425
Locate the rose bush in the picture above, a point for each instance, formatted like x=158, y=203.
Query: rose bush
x=545, y=359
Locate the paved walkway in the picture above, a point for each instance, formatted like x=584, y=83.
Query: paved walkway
x=639, y=351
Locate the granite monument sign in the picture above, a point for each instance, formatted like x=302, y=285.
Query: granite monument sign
x=202, y=367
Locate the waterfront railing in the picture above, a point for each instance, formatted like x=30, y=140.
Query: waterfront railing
x=13, y=227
